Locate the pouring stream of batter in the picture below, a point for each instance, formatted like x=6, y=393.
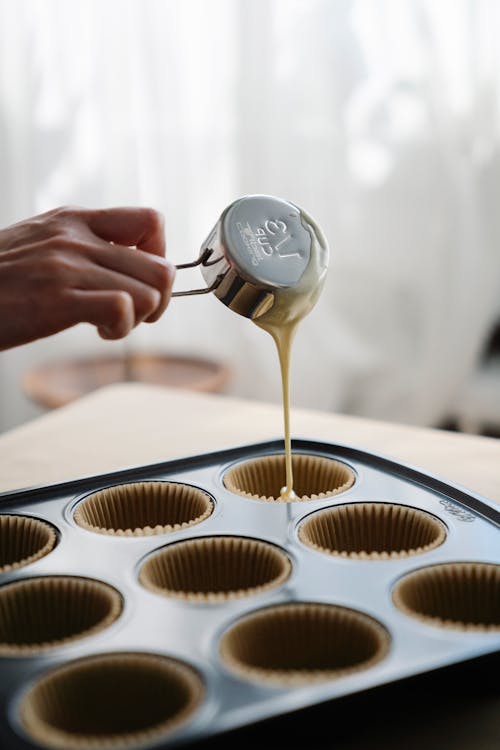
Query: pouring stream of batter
x=291, y=305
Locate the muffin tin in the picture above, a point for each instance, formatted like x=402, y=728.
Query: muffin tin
x=167, y=604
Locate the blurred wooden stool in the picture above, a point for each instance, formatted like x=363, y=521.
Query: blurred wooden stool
x=58, y=383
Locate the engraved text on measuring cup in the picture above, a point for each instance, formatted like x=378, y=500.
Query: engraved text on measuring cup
x=271, y=239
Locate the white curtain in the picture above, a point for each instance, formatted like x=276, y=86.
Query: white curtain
x=380, y=117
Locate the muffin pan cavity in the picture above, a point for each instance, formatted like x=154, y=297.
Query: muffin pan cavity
x=143, y=509
x=215, y=568
x=303, y=642
x=372, y=531
x=112, y=700
x=314, y=477
x=41, y=613
x=463, y=595
x=23, y=540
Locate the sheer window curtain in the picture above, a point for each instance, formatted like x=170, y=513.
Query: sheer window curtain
x=380, y=118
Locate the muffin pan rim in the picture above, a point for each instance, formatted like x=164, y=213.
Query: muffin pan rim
x=473, y=501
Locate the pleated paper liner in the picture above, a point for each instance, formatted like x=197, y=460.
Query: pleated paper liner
x=23, y=540
x=215, y=568
x=314, y=477
x=143, y=508
x=372, y=531
x=41, y=613
x=303, y=642
x=463, y=595
x=110, y=701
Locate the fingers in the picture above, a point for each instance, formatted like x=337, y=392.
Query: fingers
x=156, y=272
x=146, y=299
x=165, y=289
x=142, y=227
x=112, y=312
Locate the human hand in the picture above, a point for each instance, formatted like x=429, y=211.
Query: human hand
x=75, y=265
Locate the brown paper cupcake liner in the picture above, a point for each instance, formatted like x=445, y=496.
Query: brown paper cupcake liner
x=143, y=509
x=23, y=540
x=303, y=642
x=463, y=595
x=215, y=568
x=112, y=700
x=372, y=531
x=42, y=613
x=314, y=477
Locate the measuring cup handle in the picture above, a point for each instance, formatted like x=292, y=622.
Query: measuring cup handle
x=205, y=290
x=204, y=261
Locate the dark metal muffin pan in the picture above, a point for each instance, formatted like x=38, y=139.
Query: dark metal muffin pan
x=190, y=631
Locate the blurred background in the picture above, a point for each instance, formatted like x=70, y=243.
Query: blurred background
x=379, y=117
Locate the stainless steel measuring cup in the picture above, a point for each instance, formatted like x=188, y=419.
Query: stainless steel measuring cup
x=260, y=244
